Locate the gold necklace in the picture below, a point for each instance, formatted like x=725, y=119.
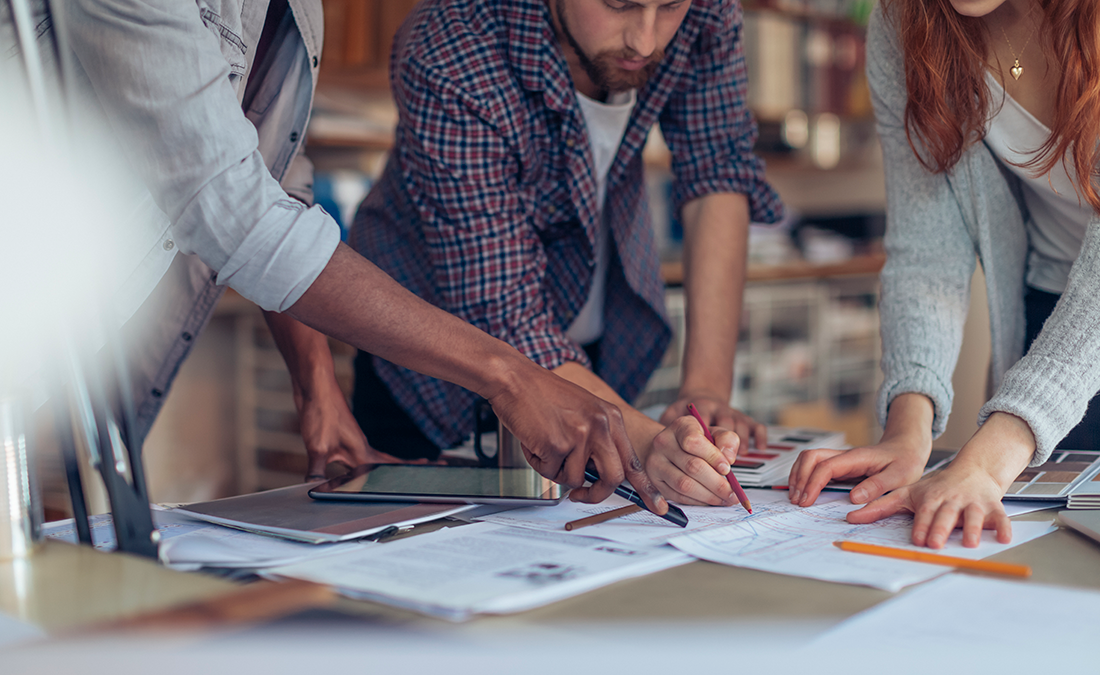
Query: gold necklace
x=1017, y=70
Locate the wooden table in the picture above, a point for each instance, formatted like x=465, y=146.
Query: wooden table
x=64, y=587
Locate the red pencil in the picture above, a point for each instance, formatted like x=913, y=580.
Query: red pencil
x=737, y=489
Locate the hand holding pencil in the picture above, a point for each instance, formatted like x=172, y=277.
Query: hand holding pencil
x=736, y=486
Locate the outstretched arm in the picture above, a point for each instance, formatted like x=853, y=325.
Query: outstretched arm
x=560, y=425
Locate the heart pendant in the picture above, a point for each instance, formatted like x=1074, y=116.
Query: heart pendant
x=1017, y=70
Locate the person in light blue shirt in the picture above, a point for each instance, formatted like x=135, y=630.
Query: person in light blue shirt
x=207, y=105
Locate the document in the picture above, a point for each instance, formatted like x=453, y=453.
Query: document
x=188, y=543
x=291, y=513
x=14, y=632
x=644, y=528
x=800, y=543
x=969, y=624
x=482, y=568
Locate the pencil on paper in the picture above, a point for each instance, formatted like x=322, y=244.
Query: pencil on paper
x=737, y=489
x=602, y=517
x=935, y=558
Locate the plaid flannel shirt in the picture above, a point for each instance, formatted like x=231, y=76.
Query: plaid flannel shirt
x=487, y=206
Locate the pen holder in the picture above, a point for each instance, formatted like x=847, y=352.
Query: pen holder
x=20, y=508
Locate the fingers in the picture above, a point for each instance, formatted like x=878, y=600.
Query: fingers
x=694, y=468
x=677, y=485
x=973, y=520
x=760, y=433
x=804, y=467
x=633, y=470
x=943, y=524
x=998, y=520
x=316, y=467
x=880, y=508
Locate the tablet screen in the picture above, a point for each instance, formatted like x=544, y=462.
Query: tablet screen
x=418, y=482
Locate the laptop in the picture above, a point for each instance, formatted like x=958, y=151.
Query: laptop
x=1085, y=522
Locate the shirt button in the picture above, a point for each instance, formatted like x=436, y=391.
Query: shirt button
x=551, y=209
x=186, y=337
x=169, y=244
x=294, y=137
x=314, y=61
x=569, y=142
x=157, y=393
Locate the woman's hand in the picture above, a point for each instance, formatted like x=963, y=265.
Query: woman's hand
x=941, y=502
x=968, y=492
x=688, y=468
x=896, y=460
x=889, y=465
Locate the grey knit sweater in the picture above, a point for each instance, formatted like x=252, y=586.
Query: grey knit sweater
x=936, y=226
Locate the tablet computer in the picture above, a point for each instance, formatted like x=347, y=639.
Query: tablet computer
x=445, y=484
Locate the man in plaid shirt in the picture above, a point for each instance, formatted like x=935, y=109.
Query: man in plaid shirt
x=515, y=199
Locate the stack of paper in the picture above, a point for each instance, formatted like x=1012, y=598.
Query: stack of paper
x=772, y=465
x=457, y=572
x=800, y=543
x=188, y=543
x=644, y=528
x=291, y=513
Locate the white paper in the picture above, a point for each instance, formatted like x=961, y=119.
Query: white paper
x=188, y=543
x=962, y=616
x=800, y=543
x=13, y=631
x=481, y=568
x=644, y=528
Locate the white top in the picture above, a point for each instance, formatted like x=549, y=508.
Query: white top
x=1058, y=217
x=606, y=124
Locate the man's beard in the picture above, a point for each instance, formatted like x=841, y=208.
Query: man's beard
x=601, y=68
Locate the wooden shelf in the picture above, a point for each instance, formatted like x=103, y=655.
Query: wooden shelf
x=673, y=272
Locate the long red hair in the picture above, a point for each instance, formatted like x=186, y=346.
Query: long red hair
x=949, y=103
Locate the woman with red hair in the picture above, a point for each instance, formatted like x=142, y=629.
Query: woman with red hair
x=989, y=117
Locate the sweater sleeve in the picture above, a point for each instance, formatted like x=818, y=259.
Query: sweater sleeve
x=930, y=254
x=1051, y=386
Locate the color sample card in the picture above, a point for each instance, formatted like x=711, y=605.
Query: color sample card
x=771, y=465
x=1063, y=473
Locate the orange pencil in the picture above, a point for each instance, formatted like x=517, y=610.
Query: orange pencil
x=603, y=517
x=737, y=489
x=935, y=558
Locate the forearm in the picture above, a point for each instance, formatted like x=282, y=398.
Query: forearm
x=640, y=428
x=715, y=255
x=305, y=351
x=1002, y=448
x=910, y=419
x=354, y=301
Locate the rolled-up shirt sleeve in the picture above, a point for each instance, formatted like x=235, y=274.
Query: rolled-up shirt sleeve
x=709, y=128
x=166, y=89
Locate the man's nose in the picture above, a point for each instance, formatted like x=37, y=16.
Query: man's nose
x=641, y=33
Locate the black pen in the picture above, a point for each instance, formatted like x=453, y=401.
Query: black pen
x=674, y=515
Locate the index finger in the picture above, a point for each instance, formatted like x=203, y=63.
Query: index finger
x=882, y=507
x=634, y=471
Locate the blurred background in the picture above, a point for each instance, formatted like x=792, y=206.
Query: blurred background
x=809, y=342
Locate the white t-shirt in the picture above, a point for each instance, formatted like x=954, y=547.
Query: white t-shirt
x=1058, y=218
x=606, y=124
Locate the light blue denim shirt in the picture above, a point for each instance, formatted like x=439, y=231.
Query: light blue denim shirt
x=226, y=187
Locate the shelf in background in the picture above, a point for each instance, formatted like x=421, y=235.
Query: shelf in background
x=673, y=271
